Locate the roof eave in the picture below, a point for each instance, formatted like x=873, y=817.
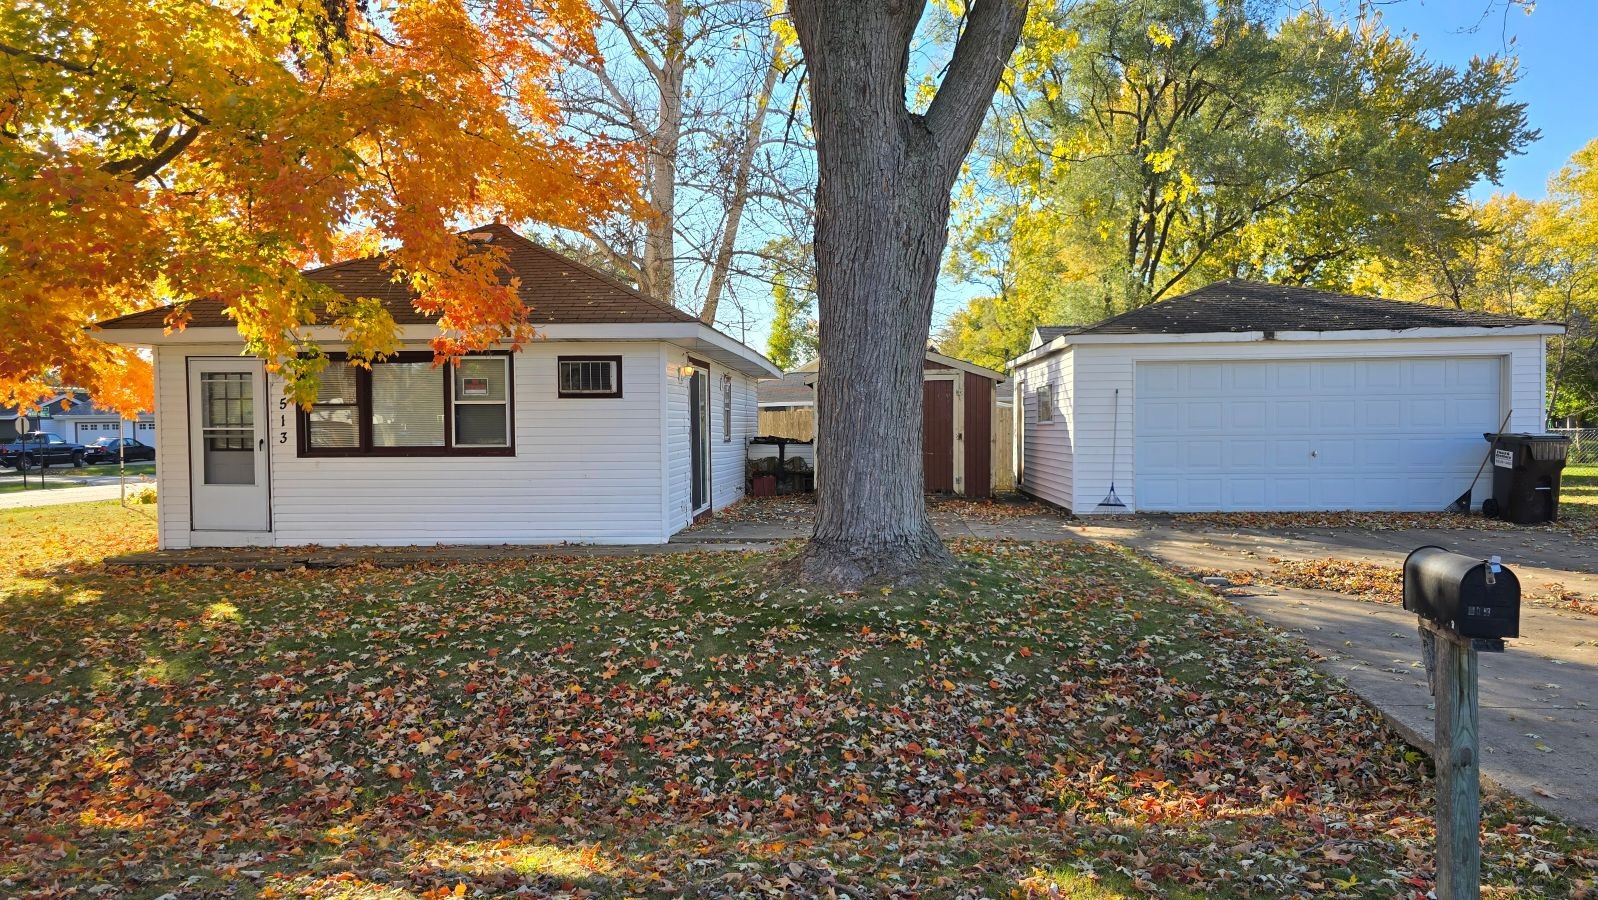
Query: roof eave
x=735, y=354
x=1351, y=334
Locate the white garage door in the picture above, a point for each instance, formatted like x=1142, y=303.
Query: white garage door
x=88, y=431
x=1403, y=434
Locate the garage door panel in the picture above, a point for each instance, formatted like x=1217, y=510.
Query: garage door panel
x=1162, y=453
x=1164, y=379
x=1248, y=414
x=1247, y=493
x=1339, y=376
x=1425, y=414
x=1468, y=412
x=1383, y=373
x=1292, y=415
x=1246, y=455
x=1204, y=379
x=1388, y=433
x=1160, y=417
x=1383, y=413
x=1335, y=414
x=1293, y=376
x=1204, y=416
x=1247, y=378
x=1206, y=454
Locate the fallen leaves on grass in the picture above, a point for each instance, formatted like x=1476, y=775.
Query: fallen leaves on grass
x=1053, y=715
x=71, y=535
x=1385, y=584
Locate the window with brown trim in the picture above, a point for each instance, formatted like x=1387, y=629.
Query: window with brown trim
x=588, y=376
x=407, y=406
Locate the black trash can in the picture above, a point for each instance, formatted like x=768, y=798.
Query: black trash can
x=1526, y=471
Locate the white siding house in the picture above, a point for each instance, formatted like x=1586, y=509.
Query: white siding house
x=1244, y=396
x=581, y=436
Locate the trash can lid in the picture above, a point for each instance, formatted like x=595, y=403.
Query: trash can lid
x=1526, y=437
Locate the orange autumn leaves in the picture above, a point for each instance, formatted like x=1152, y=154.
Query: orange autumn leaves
x=156, y=150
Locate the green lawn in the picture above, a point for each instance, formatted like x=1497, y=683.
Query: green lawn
x=1058, y=717
x=1579, y=485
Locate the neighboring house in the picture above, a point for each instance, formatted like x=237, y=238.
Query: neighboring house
x=73, y=416
x=625, y=420
x=1250, y=396
x=959, y=441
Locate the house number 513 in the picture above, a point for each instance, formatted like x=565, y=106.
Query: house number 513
x=283, y=420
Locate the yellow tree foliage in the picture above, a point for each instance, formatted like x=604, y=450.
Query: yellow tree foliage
x=157, y=151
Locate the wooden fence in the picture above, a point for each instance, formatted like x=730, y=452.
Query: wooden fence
x=1003, y=449
x=798, y=424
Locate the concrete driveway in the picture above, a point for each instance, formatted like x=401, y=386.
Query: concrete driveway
x=1539, y=700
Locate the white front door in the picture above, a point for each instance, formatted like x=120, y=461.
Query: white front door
x=227, y=446
x=1314, y=434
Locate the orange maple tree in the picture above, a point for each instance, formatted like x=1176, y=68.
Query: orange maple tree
x=156, y=151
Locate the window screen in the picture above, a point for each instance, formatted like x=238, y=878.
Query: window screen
x=589, y=376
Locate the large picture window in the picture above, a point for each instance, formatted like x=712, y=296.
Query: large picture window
x=406, y=406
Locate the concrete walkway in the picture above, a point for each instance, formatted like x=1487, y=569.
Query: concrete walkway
x=1539, y=700
x=57, y=496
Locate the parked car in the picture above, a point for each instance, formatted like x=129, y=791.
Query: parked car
x=105, y=450
x=35, y=447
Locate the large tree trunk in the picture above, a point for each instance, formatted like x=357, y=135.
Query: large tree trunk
x=882, y=216
x=660, y=230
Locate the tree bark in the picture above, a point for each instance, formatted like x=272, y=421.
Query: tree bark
x=882, y=217
x=721, y=267
x=660, y=232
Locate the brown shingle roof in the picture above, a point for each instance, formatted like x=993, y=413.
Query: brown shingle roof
x=558, y=291
x=1237, y=305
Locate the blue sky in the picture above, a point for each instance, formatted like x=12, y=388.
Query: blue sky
x=1557, y=66
x=1558, y=83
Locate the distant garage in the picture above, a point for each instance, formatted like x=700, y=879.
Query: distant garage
x=1253, y=397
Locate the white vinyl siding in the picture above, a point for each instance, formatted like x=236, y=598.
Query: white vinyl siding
x=1047, y=447
x=586, y=470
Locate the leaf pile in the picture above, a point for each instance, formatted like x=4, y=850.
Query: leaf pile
x=1054, y=717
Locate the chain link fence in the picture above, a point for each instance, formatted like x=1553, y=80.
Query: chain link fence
x=1583, y=445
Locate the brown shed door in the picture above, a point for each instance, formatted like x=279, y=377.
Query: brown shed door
x=937, y=435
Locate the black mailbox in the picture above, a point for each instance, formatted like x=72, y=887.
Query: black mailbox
x=1477, y=598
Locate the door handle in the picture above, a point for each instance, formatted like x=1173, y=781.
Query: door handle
x=261, y=445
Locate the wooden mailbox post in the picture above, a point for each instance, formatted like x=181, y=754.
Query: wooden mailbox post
x=1465, y=606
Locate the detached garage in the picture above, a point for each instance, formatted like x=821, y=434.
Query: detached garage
x=1244, y=396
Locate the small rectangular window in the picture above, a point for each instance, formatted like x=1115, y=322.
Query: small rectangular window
x=726, y=409
x=589, y=376
x=1046, y=403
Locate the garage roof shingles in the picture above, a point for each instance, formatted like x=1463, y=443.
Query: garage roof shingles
x=558, y=291
x=1238, y=306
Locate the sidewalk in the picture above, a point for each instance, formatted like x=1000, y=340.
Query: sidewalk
x=57, y=496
